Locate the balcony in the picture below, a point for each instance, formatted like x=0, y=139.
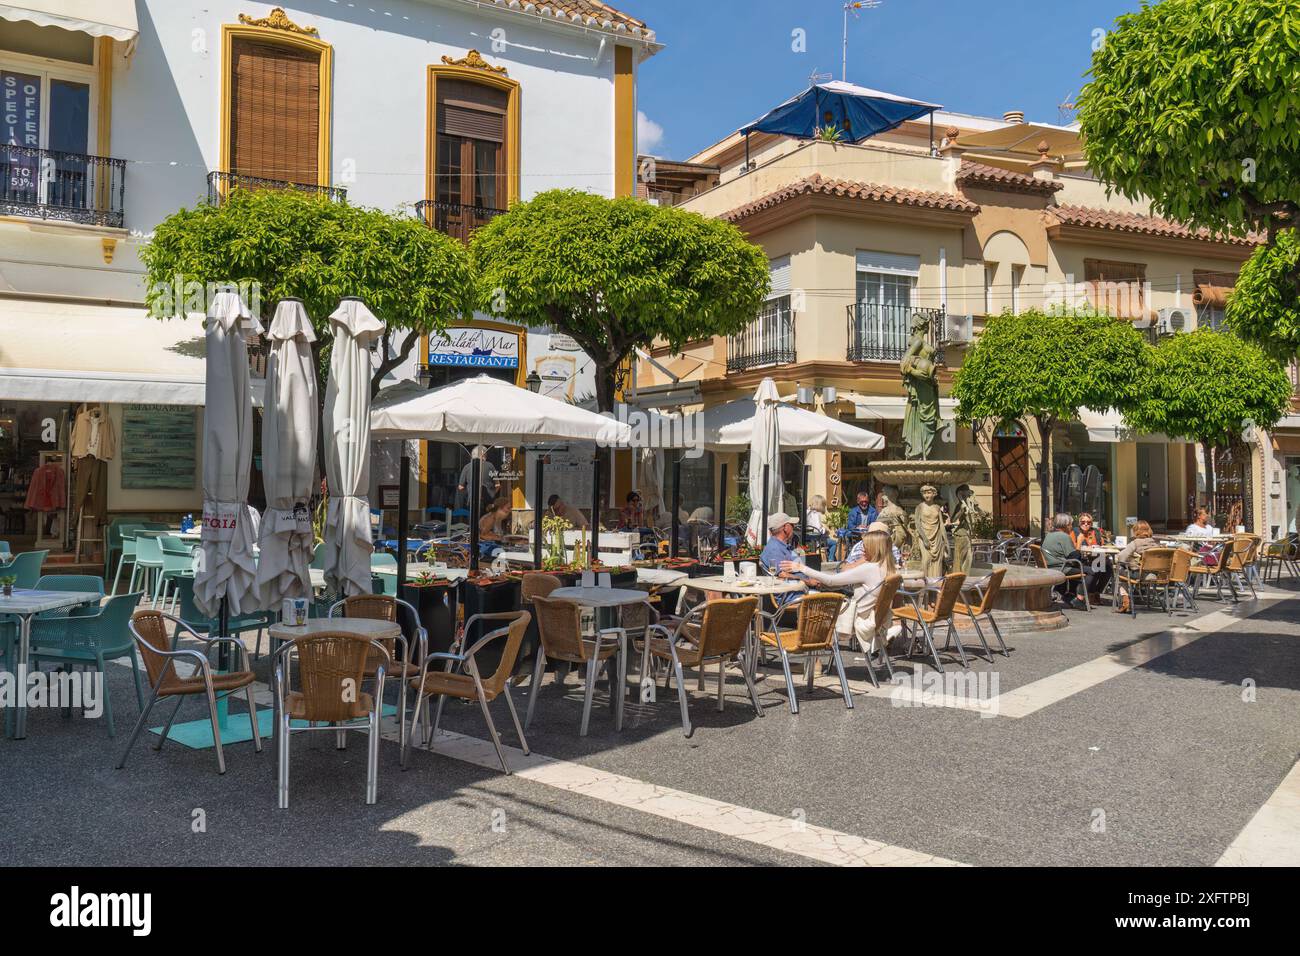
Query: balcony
x=879, y=333
x=768, y=340
x=454, y=219
x=221, y=183
x=67, y=187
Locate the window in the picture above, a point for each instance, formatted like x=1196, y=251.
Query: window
x=1017, y=279
x=1211, y=297
x=989, y=271
x=1116, y=288
x=887, y=279
x=275, y=112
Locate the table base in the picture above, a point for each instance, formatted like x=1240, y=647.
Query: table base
x=197, y=734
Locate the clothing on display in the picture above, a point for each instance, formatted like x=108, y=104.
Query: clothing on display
x=47, y=489
x=93, y=434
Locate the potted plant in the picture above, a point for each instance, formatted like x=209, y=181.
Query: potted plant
x=7, y=584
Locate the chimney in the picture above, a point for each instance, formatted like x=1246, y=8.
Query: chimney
x=1013, y=116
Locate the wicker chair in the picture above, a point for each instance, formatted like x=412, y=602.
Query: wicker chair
x=1242, y=562
x=886, y=592
x=149, y=628
x=813, y=634
x=453, y=682
x=922, y=620
x=1284, y=553
x=538, y=584
x=988, y=593
x=383, y=607
x=1180, y=573
x=711, y=632
x=1150, y=576
x=560, y=625
x=331, y=668
x=1072, y=568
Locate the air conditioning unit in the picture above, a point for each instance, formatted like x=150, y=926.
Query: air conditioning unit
x=1175, y=321
x=959, y=329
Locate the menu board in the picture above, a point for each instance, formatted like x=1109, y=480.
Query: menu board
x=158, y=447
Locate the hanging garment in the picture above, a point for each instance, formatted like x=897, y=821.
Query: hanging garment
x=47, y=489
x=90, y=486
x=93, y=435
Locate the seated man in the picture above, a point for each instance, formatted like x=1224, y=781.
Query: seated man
x=781, y=528
x=1201, y=527
x=861, y=515
x=562, y=509
x=1058, y=547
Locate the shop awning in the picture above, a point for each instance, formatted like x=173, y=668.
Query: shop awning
x=53, y=351
x=100, y=18
x=1109, y=427
x=891, y=409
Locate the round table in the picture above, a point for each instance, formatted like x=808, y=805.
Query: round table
x=360, y=626
x=608, y=599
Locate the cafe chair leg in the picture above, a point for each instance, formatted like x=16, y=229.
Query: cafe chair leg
x=539, y=671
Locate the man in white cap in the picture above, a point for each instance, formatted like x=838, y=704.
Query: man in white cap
x=780, y=527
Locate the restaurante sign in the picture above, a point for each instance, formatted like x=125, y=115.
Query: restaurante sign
x=469, y=347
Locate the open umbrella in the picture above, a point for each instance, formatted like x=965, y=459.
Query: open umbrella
x=766, y=488
x=348, y=544
x=288, y=457
x=226, y=568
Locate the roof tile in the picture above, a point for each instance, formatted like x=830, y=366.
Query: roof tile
x=1130, y=222
x=817, y=184
x=1005, y=180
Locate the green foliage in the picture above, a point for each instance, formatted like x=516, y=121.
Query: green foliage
x=1047, y=366
x=295, y=244
x=1196, y=105
x=828, y=134
x=836, y=518
x=616, y=274
x=1210, y=387
x=1264, y=307
x=739, y=508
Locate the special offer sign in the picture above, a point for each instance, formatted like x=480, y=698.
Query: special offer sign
x=20, y=125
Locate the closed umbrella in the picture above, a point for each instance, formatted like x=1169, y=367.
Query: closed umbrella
x=764, y=461
x=226, y=568
x=652, y=482
x=348, y=543
x=288, y=457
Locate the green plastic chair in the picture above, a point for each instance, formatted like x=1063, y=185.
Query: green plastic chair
x=178, y=562
x=25, y=568
x=127, y=534
x=148, y=561
x=91, y=639
x=71, y=582
x=206, y=626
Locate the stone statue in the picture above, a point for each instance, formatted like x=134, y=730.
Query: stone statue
x=930, y=546
x=892, y=515
x=921, y=380
x=963, y=526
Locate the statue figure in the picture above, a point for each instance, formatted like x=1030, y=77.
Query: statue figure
x=892, y=515
x=921, y=380
x=963, y=525
x=930, y=547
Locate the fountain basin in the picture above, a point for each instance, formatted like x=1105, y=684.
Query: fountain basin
x=913, y=474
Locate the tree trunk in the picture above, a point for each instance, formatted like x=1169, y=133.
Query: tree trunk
x=604, y=385
x=1045, y=474
x=1211, y=478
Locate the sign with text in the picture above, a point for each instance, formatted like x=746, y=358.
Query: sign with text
x=468, y=347
x=20, y=125
x=158, y=447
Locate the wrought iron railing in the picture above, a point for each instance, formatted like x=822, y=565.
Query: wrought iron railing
x=879, y=333
x=70, y=187
x=455, y=219
x=221, y=183
x=767, y=340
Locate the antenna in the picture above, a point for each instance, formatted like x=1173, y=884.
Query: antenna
x=1067, y=109
x=853, y=6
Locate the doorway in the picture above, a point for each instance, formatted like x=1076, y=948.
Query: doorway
x=1011, y=483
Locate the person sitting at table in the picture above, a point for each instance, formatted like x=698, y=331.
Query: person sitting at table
x=632, y=517
x=494, y=526
x=856, y=553
x=562, y=509
x=780, y=527
x=1201, y=526
x=1090, y=536
x=857, y=621
x=1143, y=538
x=1058, y=547
x=815, y=521
x=861, y=514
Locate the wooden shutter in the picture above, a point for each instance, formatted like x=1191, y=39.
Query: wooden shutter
x=471, y=110
x=275, y=112
x=1116, y=287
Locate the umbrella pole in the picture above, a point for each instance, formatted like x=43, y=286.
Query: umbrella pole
x=539, y=463
x=722, y=506
x=677, y=503
x=403, y=489
x=803, y=504
x=475, y=463
x=223, y=661
x=594, y=548
x=762, y=524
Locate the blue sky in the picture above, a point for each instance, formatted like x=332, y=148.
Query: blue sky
x=729, y=61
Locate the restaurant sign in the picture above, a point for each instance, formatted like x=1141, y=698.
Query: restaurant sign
x=468, y=347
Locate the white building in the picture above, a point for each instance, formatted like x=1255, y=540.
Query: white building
x=116, y=113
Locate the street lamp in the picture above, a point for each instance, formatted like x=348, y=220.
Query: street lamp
x=534, y=381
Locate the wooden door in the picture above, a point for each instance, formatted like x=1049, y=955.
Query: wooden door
x=1011, y=484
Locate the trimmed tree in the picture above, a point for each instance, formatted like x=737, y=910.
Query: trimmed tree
x=1209, y=387
x=1046, y=366
x=1196, y=106
x=291, y=244
x=616, y=274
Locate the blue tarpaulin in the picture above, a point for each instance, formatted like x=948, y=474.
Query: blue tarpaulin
x=856, y=111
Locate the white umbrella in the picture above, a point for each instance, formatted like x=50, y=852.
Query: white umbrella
x=226, y=568
x=487, y=411
x=348, y=544
x=652, y=482
x=288, y=457
x=730, y=426
x=764, y=456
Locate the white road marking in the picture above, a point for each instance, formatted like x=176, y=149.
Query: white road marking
x=1272, y=837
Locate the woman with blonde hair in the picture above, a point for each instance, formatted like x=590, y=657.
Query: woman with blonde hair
x=858, y=619
x=1143, y=538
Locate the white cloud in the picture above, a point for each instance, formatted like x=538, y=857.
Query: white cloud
x=649, y=134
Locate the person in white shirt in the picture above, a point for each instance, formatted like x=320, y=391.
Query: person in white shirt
x=1201, y=527
x=858, y=620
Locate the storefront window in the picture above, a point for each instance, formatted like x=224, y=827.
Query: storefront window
x=34, y=473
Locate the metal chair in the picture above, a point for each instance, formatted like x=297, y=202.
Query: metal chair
x=1072, y=568
x=923, y=620
x=453, y=682
x=149, y=628
x=1280, y=554
x=559, y=624
x=1150, y=576
x=988, y=593
x=713, y=632
x=331, y=668
x=812, y=635
x=1180, y=567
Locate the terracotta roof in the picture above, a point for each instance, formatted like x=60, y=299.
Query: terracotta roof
x=1141, y=225
x=1005, y=180
x=816, y=184
x=590, y=13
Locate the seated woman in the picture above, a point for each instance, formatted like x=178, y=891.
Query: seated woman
x=1143, y=538
x=857, y=621
x=631, y=517
x=1090, y=536
x=492, y=527
x=815, y=522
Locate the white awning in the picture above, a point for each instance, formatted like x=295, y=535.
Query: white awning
x=1108, y=427
x=891, y=408
x=69, y=352
x=99, y=18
